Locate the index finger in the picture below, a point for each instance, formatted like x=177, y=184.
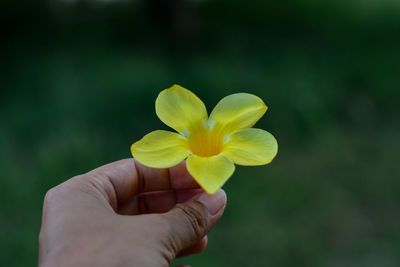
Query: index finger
x=129, y=178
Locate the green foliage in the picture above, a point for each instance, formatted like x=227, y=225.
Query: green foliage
x=78, y=85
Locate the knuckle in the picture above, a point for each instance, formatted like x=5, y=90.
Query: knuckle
x=56, y=192
x=50, y=195
x=195, y=218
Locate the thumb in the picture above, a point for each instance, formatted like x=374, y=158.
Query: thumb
x=189, y=222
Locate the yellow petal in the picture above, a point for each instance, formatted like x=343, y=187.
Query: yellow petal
x=160, y=149
x=251, y=147
x=238, y=111
x=180, y=109
x=210, y=172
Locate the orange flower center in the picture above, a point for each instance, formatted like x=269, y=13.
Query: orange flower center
x=205, y=143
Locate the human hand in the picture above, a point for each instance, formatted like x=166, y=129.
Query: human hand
x=126, y=214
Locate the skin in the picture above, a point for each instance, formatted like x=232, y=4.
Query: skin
x=126, y=214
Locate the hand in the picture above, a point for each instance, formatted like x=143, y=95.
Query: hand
x=126, y=214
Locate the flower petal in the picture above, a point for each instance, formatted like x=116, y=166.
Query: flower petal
x=251, y=147
x=180, y=109
x=160, y=149
x=238, y=111
x=210, y=172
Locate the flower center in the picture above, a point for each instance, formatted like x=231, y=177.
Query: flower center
x=204, y=142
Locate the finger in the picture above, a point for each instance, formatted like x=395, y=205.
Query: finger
x=197, y=248
x=189, y=222
x=174, y=178
x=118, y=179
x=128, y=178
x=156, y=202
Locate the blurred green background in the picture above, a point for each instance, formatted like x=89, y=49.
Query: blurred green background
x=78, y=85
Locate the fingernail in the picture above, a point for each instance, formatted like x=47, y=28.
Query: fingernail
x=213, y=202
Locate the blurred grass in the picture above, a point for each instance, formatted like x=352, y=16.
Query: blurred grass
x=78, y=86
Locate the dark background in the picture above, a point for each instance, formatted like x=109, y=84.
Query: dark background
x=78, y=85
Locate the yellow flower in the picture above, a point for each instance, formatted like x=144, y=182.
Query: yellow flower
x=211, y=144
